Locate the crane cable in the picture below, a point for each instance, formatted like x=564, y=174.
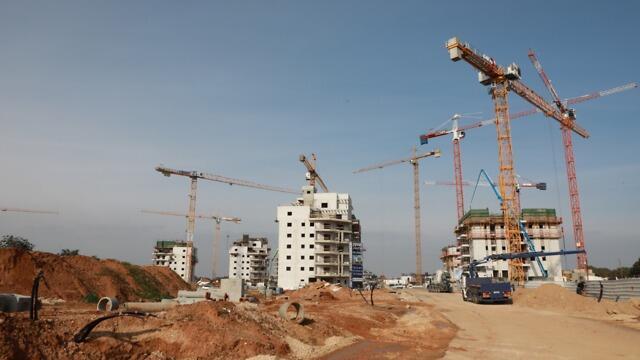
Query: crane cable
x=555, y=171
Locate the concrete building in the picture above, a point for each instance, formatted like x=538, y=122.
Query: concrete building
x=319, y=240
x=450, y=257
x=480, y=233
x=249, y=260
x=179, y=256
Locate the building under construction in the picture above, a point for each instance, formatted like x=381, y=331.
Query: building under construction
x=450, y=257
x=319, y=240
x=481, y=233
x=249, y=259
x=179, y=256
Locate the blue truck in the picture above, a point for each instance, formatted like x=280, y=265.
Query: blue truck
x=487, y=290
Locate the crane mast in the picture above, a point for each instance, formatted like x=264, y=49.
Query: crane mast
x=574, y=197
x=413, y=160
x=570, y=162
x=502, y=80
x=457, y=167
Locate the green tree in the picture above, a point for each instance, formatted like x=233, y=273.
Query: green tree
x=17, y=242
x=635, y=269
x=69, y=252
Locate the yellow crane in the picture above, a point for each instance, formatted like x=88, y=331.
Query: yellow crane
x=502, y=80
x=215, y=256
x=312, y=173
x=413, y=160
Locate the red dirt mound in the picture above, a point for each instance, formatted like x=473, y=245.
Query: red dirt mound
x=206, y=330
x=78, y=277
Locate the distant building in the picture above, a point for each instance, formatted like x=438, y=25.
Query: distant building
x=319, y=240
x=450, y=257
x=481, y=233
x=248, y=260
x=179, y=256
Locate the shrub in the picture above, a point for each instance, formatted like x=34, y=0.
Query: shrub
x=17, y=242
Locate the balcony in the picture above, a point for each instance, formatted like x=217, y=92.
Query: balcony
x=331, y=274
x=326, y=263
x=328, y=241
x=332, y=251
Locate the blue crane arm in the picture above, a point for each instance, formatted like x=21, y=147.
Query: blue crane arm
x=520, y=255
x=523, y=230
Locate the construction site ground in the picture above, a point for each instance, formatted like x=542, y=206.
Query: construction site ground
x=549, y=322
x=544, y=323
x=339, y=325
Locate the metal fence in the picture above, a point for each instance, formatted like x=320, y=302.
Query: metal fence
x=622, y=289
x=571, y=286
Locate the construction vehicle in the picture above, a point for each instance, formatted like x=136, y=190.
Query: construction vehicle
x=440, y=282
x=413, y=160
x=489, y=290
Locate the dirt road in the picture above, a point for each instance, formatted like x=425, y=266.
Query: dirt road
x=505, y=331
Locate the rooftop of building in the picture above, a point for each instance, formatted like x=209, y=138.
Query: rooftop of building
x=168, y=244
x=247, y=240
x=529, y=214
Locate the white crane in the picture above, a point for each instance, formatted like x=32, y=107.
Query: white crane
x=413, y=160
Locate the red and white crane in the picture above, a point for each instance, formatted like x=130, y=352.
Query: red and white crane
x=570, y=164
x=502, y=80
x=459, y=132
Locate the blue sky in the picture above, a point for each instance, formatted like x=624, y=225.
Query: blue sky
x=93, y=96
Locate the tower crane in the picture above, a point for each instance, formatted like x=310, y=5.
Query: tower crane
x=312, y=173
x=413, y=160
x=29, y=211
x=195, y=175
x=570, y=164
x=216, y=233
x=459, y=132
x=503, y=80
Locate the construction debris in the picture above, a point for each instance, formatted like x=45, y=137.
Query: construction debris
x=85, y=331
x=108, y=304
x=297, y=315
x=14, y=303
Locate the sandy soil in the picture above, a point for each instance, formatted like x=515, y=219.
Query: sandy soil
x=531, y=329
x=338, y=325
x=74, y=277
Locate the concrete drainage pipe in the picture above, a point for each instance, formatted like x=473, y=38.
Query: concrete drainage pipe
x=108, y=304
x=296, y=315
